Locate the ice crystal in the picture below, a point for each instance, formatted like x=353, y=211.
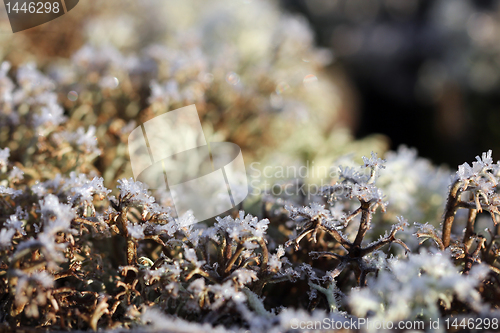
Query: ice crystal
x=57, y=216
x=9, y=191
x=136, y=230
x=134, y=191
x=6, y=235
x=241, y=227
x=483, y=163
x=4, y=156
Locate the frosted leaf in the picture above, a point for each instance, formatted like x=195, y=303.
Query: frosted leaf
x=6, y=235
x=173, y=289
x=367, y=193
x=465, y=171
x=426, y=228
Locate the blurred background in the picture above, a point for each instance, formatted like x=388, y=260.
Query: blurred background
x=424, y=72
x=387, y=72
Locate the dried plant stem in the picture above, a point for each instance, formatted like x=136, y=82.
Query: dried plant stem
x=450, y=210
x=470, y=258
x=235, y=256
x=471, y=219
x=364, y=225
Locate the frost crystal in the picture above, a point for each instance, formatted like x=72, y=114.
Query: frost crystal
x=275, y=262
x=4, y=156
x=374, y=162
x=9, y=191
x=241, y=227
x=57, y=216
x=13, y=222
x=485, y=162
x=6, y=237
x=134, y=191
x=83, y=189
x=85, y=141
x=16, y=174
x=136, y=230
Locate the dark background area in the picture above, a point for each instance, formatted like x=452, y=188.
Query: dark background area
x=426, y=72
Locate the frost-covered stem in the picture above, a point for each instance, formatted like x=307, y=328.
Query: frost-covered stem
x=373, y=175
x=450, y=210
x=235, y=256
x=122, y=221
x=131, y=245
x=382, y=242
x=364, y=273
x=351, y=216
x=329, y=293
x=339, y=238
x=265, y=255
x=470, y=258
x=228, y=249
x=219, y=247
x=364, y=225
x=256, y=303
x=433, y=236
x=469, y=230
x=264, y=277
x=494, y=269
x=488, y=253
x=316, y=255
x=302, y=235
x=85, y=221
x=131, y=251
x=209, y=276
